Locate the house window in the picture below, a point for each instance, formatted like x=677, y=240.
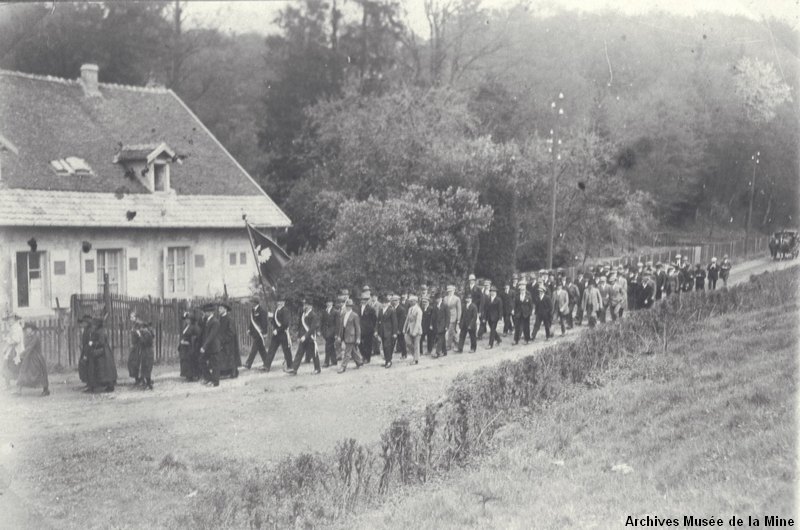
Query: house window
x=108, y=262
x=160, y=177
x=242, y=258
x=176, y=270
x=232, y=258
x=59, y=268
x=133, y=264
x=30, y=279
x=199, y=261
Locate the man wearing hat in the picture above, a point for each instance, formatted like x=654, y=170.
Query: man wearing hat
x=428, y=338
x=230, y=356
x=713, y=274
x=725, y=271
x=368, y=319
x=15, y=340
x=307, y=342
x=387, y=329
x=661, y=280
x=401, y=311
x=469, y=325
x=142, y=358
x=210, y=344
x=453, y=304
x=280, y=335
x=561, y=307
x=190, y=333
x=474, y=289
x=441, y=324
x=507, y=297
x=648, y=291
x=102, y=367
x=543, y=312
x=257, y=328
x=494, y=312
x=523, y=308
x=412, y=328
x=327, y=327
x=351, y=337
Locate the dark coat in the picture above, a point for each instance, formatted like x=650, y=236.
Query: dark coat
x=387, y=323
x=402, y=312
x=327, y=323
x=229, y=344
x=494, y=309
x=508, y=303
x=427, y=319
x=441, y=318
x=544, y=308
x=469, y=316
x=102, y=364
x=187, y=346
x=210, y=340
x=523, y=308
x=83, y=362
x=368, y=319
x=281, y=320
x=311, y=322
x=259, y=322
x=713, y=271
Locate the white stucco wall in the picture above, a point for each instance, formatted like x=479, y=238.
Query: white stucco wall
x=147, y=246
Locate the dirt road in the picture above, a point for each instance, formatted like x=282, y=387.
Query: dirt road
x=258, y=417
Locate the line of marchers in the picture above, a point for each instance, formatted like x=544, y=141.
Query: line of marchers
x=690, y=521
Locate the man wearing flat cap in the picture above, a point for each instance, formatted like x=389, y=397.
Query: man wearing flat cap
x=257, y=328
x=280, y=335
x=210, y=344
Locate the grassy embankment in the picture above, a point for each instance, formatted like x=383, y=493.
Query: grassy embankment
x=694, y=397
x=706, y=429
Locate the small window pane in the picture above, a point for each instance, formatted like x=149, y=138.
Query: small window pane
x=133, y=264
x=242, y=258
x=59, y=268
x=232, y=258
x=199, y=261
x=89, y=266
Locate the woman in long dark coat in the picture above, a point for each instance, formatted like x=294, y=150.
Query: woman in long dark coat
x=102, y=368
x=134, y=354
x=86, y=335
x=33, y=370
x=186, y=346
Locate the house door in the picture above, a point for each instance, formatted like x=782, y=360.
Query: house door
x=30, y=279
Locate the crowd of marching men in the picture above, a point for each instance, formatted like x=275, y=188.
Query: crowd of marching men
x=430, y=321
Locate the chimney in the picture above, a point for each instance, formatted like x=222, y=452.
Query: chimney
x=89, y=80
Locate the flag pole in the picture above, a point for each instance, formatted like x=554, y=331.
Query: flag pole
x=255, y=258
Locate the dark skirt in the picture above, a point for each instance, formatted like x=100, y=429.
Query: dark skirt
x=186, y=355
x=103, y=369
x=134, y=362
x=33, y=371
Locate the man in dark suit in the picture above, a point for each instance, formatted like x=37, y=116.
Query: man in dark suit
x=307, y=343
x=401, y=310
x=428, y=333
x=441, y=323
x=209, y=344
x=494, y=312
x=280, y=335
x=507, y=298
x=387, y=329
x=257, y=328
x=544, y=312
x=523, y=307
x=327, y=326
x=469, y=325
x=368, y=319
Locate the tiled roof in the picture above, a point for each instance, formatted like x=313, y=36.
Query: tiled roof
x=157, y=210
x=48, y=118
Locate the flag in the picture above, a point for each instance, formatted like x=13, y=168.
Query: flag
x=270, y=257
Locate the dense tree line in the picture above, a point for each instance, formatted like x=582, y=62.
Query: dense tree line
x=344, y=110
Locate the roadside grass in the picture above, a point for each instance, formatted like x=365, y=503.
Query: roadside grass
x=707, y=429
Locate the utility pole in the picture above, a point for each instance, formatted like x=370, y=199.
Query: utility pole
x=755, y=159
x=555, y=142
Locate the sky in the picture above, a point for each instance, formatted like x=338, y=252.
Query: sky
x=258, y=16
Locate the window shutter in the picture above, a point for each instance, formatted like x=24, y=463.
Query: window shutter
x=164, y=254
x=59, y=278
x=88, y=263
x=14, y=300
x=132, y=268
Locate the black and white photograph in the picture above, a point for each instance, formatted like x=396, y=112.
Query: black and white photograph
x=399, y=264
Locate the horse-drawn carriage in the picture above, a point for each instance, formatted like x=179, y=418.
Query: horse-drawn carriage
x=784, y=244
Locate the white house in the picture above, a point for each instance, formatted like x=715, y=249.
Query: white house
x=100, y=178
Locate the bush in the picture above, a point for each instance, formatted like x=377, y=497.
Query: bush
x=308, y=490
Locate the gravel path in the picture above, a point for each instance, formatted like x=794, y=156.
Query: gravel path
x=260, y=417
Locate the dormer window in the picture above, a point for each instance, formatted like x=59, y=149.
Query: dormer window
x=148, y=164
x=160, y=176
x=72, y=165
